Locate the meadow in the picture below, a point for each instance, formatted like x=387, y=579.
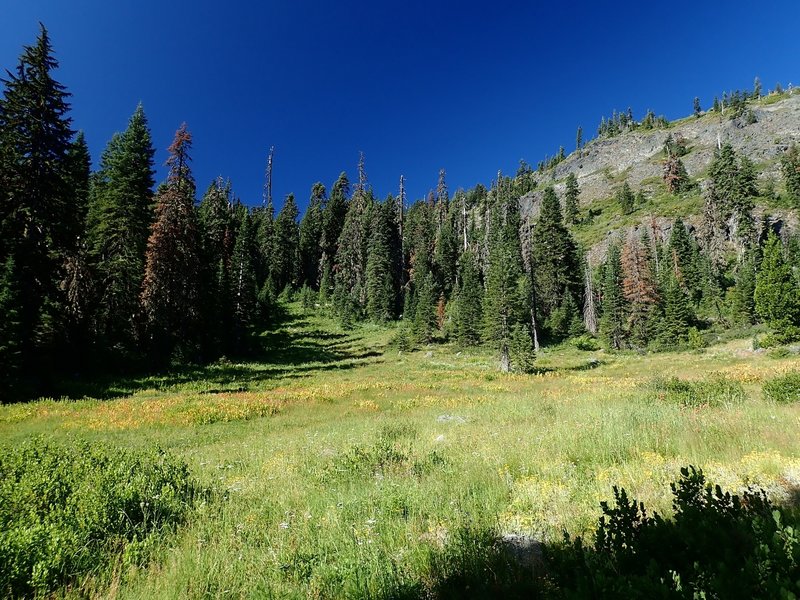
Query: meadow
x=341, y=466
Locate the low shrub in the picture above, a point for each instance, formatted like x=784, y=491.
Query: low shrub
x=784, y=389
x=586, y=343
x=718, y=545
x=67, y=510
x=712, y=392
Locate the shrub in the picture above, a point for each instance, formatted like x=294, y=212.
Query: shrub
x=586, y=343
x=66, y=509
x=714, y=392
x=784, y=389
x=718, y=545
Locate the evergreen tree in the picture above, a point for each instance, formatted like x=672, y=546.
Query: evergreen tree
x=790, y=166
x=683, y=253
x=696, y=107
x=555, y=266
x=118, y=226
x=78, y=166
x=425, y=322
x=503, y=305
x=579, y=140
x=241, y=280
x=571, y=199
x=615, y=310
x=380, y=277
x=310, y=236
x=350, y=295
x=333, y=217
x=284, y=264
x=626, y=199
x=170, y=287
x=675, y=176
x=743, y=295
x=38, y=210
x=776, y=293
x=10, y=327
x=674, y=326
x=469, y=301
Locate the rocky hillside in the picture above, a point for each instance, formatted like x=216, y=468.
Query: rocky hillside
x=637, y=156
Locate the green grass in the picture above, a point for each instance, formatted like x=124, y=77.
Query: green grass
x=346, y=468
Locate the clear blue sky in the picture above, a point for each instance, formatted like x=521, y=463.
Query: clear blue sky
x=471, y=87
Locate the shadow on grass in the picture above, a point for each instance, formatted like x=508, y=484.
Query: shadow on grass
x=292, y=349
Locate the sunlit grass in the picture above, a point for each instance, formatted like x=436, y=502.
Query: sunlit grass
x=345, y=474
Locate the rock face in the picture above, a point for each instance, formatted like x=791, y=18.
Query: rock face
x=637, y=157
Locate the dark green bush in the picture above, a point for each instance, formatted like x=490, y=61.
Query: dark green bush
x=715, y=391
x=67, y=510
x=586, y=343
x=718, y=545
x=783, y=389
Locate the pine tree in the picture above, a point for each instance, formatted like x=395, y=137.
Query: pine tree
x=790, y=166
x=380, y=277
x=38, y=212
x=675, y=176
x=696, y=107
x=683, y=253
x=118, y=226
x=776, y=293
x=615, y=310
x=743, y=295
x=469, y=301
x=579, y=140
x=571, y=199
x=170, y=287
x=284, y=264
x=310, y=235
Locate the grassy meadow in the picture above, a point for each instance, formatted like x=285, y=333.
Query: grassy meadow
x=342, y=467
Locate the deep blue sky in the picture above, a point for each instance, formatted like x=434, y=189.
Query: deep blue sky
x=418, y=86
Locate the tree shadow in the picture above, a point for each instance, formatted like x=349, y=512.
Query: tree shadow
x=292, y=349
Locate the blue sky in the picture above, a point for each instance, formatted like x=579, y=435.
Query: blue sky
x=418, y=86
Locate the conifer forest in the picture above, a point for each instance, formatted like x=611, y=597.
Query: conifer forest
x=580, y=379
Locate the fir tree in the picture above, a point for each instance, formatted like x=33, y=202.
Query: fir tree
x=469, y=301
x=776, y=293
x=625, y=198
x=350, y=295
x=675, y=176
x=696, y=107
x=284, y=264
x=674, y=326
x=790, y=167
x=10, y=327
x=615, y=310
x=683, y=253
x=38, y=213
x=120, y=216
x=310, y=235
x=425, y=309
x=333, y=217
x=169, y=289
x=380, y=277
x=571, y=199
x=241, y=280
x=555, y=266
x=743, y=294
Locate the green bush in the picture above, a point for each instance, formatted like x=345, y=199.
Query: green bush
x=718, y=545
x=713, y=392
x=65, y=510
x=784, y=389
x=586, y=343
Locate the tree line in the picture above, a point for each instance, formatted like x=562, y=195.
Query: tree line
x=106, y=270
